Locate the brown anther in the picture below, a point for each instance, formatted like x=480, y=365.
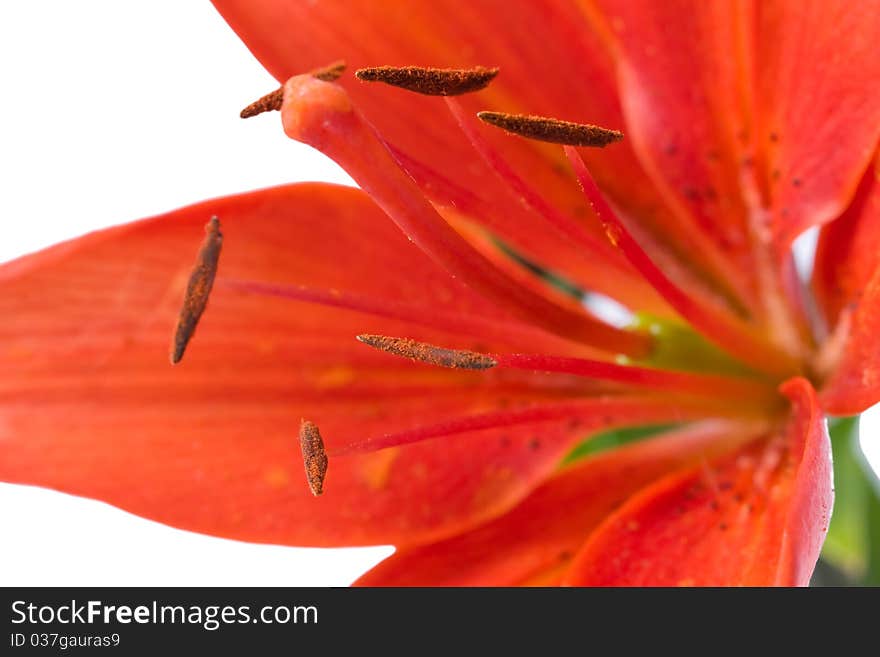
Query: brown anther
x=201, y=279
x=272, y=101
x=314, y=456
x=330, y=72
x=421, y=352
x=551, y=130
x=269, y=102
x=430, y=81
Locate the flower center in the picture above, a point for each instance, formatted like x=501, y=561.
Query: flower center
x=714, y=355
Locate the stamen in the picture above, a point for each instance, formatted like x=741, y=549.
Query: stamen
x=329, y=73
x=672, y=382
x=273, y=100
x=431, y=81
x=314, y=456
x=268, y=103
x=552, y=130
x=201, y=279
x=421, y=352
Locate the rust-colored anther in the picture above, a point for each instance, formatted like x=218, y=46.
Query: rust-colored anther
x=201, y=279
x=330, y=72
x=551, y=130
x=268, y=103
x=314, y=456
x=421, y=352
x=431, y=81
x=272, y=101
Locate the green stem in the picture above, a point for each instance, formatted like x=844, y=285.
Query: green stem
x=853, y=543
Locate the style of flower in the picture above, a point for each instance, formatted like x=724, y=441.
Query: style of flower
x=690, y=144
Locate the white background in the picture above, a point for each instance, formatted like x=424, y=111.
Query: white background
x=112, y=111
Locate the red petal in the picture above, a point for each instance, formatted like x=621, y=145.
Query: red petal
x=854, y=383
x=534, y=542
x=846, y=281
x=90, y=405
x=757, y=517
x=818, y=110
x=682, y=88
x=541, y=47
x=849, y=249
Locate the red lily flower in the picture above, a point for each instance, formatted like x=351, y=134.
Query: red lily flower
x=744, y=125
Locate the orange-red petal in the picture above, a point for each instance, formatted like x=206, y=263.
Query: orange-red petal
x=846, y=281
x=552, y=63
x=853, y=384
x=89, y=404
x=755, y=517
x=535, y=541
x=684, y=94
x=848, y=253
x=817, y=116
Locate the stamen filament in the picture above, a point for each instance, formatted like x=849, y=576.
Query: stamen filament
x=683, y=382
x=725, y=330
x=198, y=289
x=585, y=415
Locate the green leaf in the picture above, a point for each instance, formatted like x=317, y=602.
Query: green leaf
x=853, y=541
x=552, y=278
x=614, y=438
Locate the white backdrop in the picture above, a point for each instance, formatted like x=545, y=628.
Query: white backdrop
x=112, y=111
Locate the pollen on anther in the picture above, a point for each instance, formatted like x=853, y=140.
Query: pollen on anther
x=268, y=103
x=198, y=289
x=429, y=354
x=330, y=72
x=272, y=101
x=551, y=130
x=314, y=456
x=431, y=81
